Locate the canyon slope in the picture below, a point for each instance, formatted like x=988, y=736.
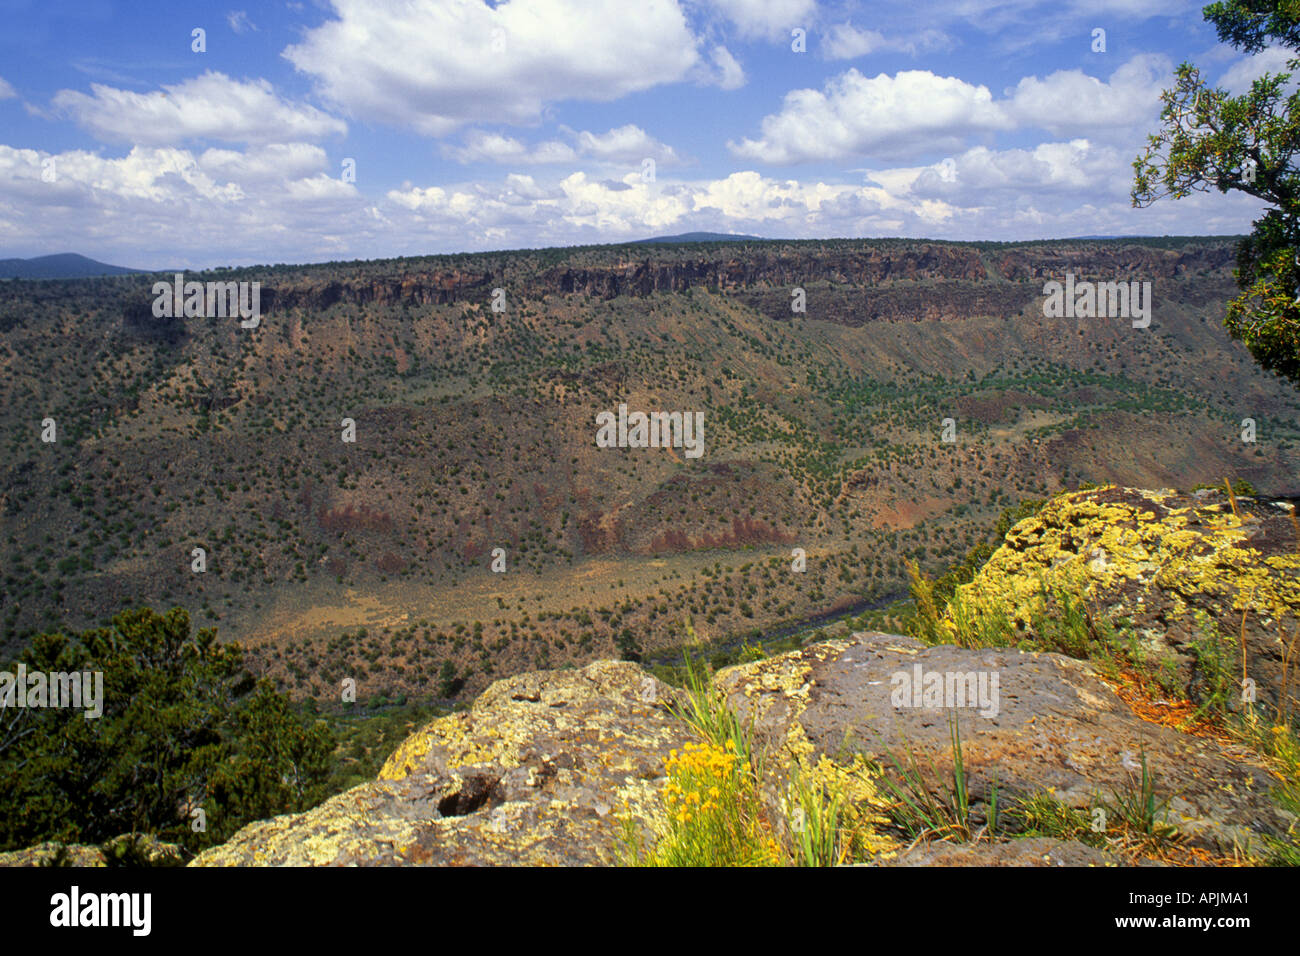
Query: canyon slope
x=473, y=383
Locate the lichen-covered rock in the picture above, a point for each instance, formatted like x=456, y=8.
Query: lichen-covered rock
x=54, y=854
x=128, y=849
x=1177, y=570
x=545, y=765
x=538, y=772
x=1053, y=726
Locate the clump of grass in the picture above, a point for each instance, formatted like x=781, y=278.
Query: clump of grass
x=1277, y=743
x=1066, y=624
x=706, y=710
x=1288, y=659
x=1056, y=619
x=1214, y=656
x=929, y=811
x=980, y=622
x=714, y=813
x=1133, y=820
x=926, y=614
x=1135, y=806
x=1041, y=814
x=815, y=819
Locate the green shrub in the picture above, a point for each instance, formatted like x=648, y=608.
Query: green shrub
x=183, y=726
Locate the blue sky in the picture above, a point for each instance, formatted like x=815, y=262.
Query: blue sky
x=526, y=123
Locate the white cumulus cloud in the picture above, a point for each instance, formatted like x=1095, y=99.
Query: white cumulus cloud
x=913, y=111
x=624, y=144
x=1069, y=100
x=767, y=19
x=881, y=116
x=1238, y=77
x=727, y=71
x=211, y=106
x=435, y=66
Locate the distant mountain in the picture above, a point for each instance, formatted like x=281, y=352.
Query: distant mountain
x=694, y=237
x=65, y=265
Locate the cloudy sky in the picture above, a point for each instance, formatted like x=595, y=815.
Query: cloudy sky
x=352, y=129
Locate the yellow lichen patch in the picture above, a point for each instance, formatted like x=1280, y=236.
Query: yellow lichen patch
x=786, y=677
x=1100, y=547
x=453, y=734
x=412, y=751
x=514, y=714
x=788, y=671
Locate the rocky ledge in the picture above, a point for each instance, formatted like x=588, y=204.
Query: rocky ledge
x=545, y=765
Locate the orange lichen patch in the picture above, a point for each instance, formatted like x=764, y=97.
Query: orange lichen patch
x=1150, y=702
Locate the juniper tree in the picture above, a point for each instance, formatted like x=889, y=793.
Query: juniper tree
x=1212, y=140
x=183, y=724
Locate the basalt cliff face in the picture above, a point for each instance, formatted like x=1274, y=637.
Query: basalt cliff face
x=643, y=273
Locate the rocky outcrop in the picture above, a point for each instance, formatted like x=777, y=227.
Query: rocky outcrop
x=538, y=772
x=546, y=766
x=562, y=767
x=1031, y=851
x=54, y=854
x=1185, y=576
x=421, y=288
x=727, y=268
x=1050, y=725
x=128, y=849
